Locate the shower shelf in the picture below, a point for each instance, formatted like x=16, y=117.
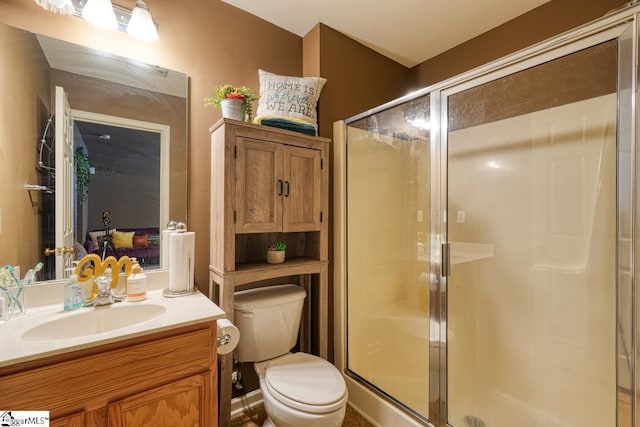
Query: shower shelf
x=462, y=252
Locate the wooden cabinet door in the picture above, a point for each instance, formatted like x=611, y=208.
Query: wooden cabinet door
x=181, y=403
x=73, y=420
x=259, y=186
x=302, y=189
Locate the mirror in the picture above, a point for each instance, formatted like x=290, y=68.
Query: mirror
x=129, y=124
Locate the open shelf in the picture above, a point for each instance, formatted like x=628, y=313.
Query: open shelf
x=251, y=272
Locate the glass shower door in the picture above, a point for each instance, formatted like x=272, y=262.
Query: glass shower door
x=532, y=228
x=387, y=235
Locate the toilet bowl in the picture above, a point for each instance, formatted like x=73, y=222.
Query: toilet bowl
x=298, y=389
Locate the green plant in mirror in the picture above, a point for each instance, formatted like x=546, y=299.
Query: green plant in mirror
x=233, y=92
x=83, y=177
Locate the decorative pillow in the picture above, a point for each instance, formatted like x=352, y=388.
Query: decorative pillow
x=154, y=239
x=94, y=235
x=123, y=239
x=289, y=99
x=140, y=241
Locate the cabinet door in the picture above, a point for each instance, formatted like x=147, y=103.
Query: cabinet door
x=182, y=403
x=302, y=189
x=73, y=420
x=259, y=186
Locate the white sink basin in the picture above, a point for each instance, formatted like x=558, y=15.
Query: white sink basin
x=93, y=321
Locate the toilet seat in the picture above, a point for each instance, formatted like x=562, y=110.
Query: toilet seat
x=306, y=383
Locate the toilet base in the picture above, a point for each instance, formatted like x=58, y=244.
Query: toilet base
x=268, y=423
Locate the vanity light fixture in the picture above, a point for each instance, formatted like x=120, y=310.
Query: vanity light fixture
x=141, y=25
x=100, y=13
x=60, y=7
x=104, y=14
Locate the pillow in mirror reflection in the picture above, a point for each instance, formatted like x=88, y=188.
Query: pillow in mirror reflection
x=123, y=239
x=153, y=239
x=96, y=235
x=140, y=241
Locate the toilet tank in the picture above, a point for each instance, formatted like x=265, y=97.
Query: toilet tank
x=268, y=319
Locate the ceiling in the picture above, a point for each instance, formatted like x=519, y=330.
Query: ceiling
x=407, y=31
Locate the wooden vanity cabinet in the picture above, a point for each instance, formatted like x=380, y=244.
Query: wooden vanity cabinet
x=164, y=379
x=178, y=403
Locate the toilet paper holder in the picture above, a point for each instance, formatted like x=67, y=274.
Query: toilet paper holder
x=223, y=340
x=227, y=336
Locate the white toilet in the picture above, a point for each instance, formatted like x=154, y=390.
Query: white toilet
x=298, y=389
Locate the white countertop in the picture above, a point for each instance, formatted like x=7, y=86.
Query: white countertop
x=181, y=311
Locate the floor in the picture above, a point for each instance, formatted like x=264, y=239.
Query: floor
x=254, y=417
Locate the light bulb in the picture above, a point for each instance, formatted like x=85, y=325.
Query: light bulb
x=61, y=7
x=100, y=13
x=141, y=25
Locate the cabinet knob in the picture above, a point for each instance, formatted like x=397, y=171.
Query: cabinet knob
x=279, y=187
x=286, y=191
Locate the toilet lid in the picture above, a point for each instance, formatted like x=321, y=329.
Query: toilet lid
x=307, y=383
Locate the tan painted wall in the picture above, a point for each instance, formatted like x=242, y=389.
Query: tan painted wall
x=210, y=41
x=358, y=78
x=22, y=105
x=546, y=21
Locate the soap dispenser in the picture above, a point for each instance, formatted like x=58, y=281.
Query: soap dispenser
x=73, y=296
x=136, y=284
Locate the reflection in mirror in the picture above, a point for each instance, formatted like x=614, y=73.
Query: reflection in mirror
x=129, y=132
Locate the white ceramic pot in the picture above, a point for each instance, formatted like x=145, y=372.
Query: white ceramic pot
x=232, y=109
x=275, y=257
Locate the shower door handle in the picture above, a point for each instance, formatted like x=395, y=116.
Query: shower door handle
x=446, y=260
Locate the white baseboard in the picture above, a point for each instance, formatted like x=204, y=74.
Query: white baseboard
x=249, y=400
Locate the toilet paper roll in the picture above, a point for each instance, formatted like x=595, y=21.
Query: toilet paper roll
x=181, y=250
x=228, y=336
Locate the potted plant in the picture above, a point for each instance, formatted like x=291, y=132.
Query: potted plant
x=234, y=101
x=275, y=253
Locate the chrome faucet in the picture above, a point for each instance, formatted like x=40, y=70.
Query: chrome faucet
x=105, y=294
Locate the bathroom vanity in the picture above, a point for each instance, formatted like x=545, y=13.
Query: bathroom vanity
x=154, y=372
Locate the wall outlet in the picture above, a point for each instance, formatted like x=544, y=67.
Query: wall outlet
x=420, y=218
x=461, y=217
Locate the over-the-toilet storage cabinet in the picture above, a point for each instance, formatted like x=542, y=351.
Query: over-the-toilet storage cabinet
x=269, y=184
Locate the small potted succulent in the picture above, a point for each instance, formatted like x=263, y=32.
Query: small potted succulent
x=235, y=102
x=275, y=253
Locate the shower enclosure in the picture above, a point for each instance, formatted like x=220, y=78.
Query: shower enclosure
x=486, y=242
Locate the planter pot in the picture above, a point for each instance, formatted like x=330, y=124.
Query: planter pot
x=275, y=257
x=232, y=109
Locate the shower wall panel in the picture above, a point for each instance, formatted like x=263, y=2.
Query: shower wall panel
x=531, y=328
